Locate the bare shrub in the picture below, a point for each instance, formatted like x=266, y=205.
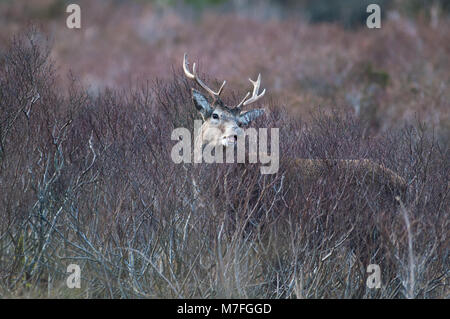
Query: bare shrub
x=88, y=180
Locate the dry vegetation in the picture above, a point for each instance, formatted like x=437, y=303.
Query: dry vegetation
x=86, y=175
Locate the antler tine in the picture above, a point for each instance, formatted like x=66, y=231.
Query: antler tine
x=186, y=68
x=255, y=97
x=194, y=76
x=243, y=100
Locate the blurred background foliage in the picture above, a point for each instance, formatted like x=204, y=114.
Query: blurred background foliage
x=349, y=13
x=309, y=52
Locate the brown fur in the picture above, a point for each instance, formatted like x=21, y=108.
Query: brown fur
x=364, y=170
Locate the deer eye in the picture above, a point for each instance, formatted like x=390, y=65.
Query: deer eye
x=215, y=116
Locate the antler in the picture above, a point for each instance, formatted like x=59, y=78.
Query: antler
x=193, y=76
x=255, y=97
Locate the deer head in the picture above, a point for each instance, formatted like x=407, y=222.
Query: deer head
x=222, y=124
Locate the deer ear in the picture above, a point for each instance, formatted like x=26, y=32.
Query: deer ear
x=246, y=117
x=201, y=104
